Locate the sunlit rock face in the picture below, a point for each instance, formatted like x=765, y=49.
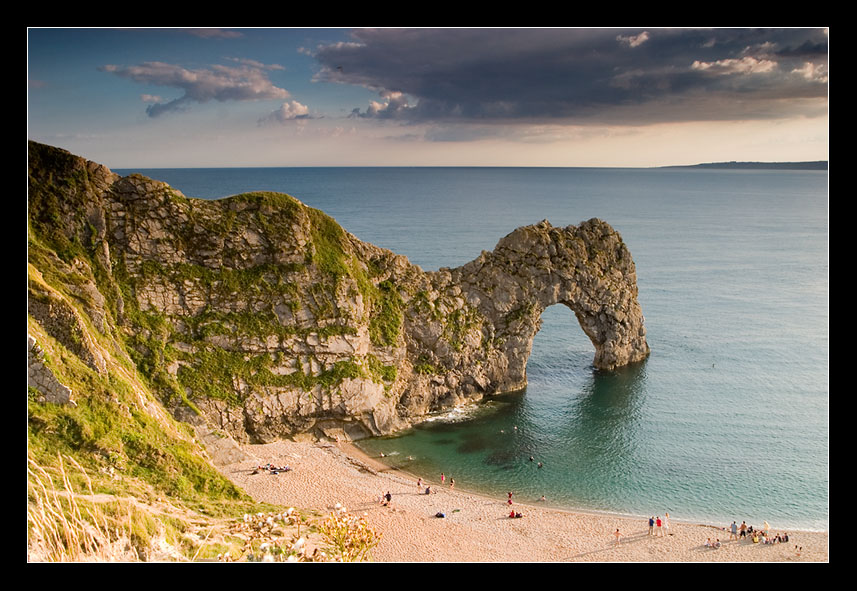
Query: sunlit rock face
x=262, y=317
x=473, y=327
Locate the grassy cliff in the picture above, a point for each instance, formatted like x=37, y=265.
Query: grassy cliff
x=111, y=473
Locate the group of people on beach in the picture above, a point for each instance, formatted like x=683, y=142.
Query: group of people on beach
x=428, y=490
x=270, y=468
x=757, y=536
x=662, y=525
x=513, y=514
x=386, y=499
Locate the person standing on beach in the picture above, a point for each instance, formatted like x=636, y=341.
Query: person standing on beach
x=452, y=483
x=743, y=529
x=617, y=535
x=733, y=531
x=666, y=523
x=651, y=525
x=442, y=478
x=659, y=523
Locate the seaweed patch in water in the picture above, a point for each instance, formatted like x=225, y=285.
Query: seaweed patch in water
x=472, y=445
x=503, y=458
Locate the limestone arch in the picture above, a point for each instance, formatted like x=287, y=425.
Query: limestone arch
x=585, y=268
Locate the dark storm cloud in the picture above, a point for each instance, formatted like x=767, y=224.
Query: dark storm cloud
x=608, y=75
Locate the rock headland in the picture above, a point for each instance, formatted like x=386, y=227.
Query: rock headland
x=262, y=317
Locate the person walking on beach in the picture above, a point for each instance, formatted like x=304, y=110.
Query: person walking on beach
x=442, y=478
x=666, y=523
x=617, y=535
x=658, y=523
x=451, y=483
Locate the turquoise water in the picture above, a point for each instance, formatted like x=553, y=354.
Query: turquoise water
x=728, y=418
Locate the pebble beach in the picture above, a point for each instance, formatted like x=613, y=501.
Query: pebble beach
x=476, y=528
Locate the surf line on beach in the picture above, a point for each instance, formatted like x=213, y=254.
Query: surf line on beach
x=383, y=463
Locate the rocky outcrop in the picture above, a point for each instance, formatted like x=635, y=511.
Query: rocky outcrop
x=260, y=316
x=42, y=380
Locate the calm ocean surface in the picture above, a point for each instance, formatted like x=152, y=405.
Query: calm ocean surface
x=728, y=418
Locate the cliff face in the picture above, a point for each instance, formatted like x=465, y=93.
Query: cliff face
x=263, y=317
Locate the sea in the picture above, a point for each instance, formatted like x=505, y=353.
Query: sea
x=728, y=419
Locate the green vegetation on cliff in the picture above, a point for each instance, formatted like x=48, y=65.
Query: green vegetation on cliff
x=111, y=430
x=113, y=451
x=71, y=270
x=383, y=299
x=386, y=321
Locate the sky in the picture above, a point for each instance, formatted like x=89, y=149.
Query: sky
x=602, y=97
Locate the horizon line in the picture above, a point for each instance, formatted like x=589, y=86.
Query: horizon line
x=724, y=164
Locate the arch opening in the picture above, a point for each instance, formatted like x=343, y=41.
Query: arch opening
x=560, y=349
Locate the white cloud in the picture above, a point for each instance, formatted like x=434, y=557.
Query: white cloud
x=745, y=65
x=634, y=40
x=396, y=104
x=256, y=64
x=288, y=111
x=219, y=83
x=814, y=72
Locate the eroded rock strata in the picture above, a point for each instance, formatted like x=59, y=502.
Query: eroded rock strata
x=263, y=317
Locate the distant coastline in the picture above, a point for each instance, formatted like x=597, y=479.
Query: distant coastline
x=814, y=165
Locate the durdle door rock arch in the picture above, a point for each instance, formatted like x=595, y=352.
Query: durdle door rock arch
x=499, y=297
x=586, y=268
x=261, y=317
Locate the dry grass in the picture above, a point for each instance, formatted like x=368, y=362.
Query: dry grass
x=292, y=537
x=62, y=528
x=68, y=526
